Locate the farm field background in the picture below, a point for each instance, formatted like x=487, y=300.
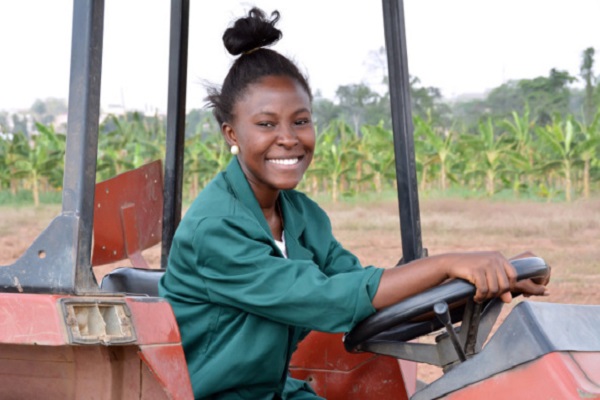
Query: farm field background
x=566, y=235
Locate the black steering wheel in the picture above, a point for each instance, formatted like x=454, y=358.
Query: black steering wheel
x=414, y=317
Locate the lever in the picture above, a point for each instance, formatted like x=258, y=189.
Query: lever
x=443, y=314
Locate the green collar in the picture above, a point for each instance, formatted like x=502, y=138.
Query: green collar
x=294, y=223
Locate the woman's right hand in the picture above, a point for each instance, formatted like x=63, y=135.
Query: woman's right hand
x=493, y=276
x=489, y=271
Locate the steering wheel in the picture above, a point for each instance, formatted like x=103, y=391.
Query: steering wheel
x=413, y=317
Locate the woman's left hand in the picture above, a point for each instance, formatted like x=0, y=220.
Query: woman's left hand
x=534, y=286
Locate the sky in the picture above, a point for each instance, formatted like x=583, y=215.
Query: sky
x=459, y=46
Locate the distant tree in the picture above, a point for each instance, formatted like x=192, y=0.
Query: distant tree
x=467, y=113
x=587, y=73
x=506, y=98
x=200, y=122
x=324, y=111
x=19, y=123
x=547, y=95
x=354, y=101
x=46, y=111
x=3, y=122
x=427, y=102
x=38, y=107
x=377, y=65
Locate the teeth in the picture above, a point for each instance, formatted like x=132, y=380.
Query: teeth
x=284, y=161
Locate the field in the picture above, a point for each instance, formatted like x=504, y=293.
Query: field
x=567, y=236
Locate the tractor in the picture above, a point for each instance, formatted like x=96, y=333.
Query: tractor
x=66, y=336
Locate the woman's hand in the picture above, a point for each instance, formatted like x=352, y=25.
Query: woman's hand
x=535, y=286
x=489, y=271
x=494, y=276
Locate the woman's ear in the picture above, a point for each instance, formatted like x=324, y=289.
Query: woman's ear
x=229, y=134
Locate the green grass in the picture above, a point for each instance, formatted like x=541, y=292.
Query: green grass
x=25, y=198
x=465, y=193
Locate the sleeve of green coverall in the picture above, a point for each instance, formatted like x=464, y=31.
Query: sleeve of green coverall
x=238, y=266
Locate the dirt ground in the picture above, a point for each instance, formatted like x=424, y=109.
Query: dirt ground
x=567, y=236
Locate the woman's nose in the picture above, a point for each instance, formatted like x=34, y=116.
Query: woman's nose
x=287, y=136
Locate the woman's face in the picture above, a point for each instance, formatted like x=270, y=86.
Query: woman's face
x=272, y=126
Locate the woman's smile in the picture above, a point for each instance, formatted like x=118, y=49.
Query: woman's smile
x=284, y=161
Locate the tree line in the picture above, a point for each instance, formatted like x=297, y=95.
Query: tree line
x=534, y=137
x=557, y=159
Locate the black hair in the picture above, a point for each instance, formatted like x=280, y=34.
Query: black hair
x=248, y=36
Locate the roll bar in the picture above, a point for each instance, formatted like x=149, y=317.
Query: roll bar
x=58, y=261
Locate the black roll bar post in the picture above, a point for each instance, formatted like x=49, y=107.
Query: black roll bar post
x=404, y=149
x=173, y=177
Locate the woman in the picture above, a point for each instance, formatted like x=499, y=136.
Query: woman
x=254, y=266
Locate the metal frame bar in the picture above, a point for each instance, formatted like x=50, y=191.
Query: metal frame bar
x=84, y=114
x=58, y=261
x=173, y=179
x=404, y=149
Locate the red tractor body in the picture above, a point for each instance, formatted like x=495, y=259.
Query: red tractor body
x=63, y=336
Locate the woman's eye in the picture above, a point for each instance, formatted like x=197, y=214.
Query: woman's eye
x=266, y=124
x=303, y=121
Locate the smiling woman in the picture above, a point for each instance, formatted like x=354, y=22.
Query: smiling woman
x=254, y=265
x=275, y=136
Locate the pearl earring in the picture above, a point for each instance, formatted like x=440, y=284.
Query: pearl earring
x=235, y=149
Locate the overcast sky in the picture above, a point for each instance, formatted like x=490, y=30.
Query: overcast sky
x=460, y=46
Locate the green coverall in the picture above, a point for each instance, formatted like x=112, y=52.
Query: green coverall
x=241, y=306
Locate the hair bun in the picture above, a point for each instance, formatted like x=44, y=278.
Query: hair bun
x=252, y=32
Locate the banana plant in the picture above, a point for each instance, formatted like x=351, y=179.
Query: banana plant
x=559, y=138
x=487, y=154
x=39, y=159
x=335, y=158
x=587, y=149
x=520, y=130
x=5, y=174
x=55, y=144
x=204, y=159
x=113, y=156
x=377, y=149
x=438, y=149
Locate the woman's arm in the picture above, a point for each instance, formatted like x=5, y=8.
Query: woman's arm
x=490, y=272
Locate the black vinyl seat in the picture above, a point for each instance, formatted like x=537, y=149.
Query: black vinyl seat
x=134, y=281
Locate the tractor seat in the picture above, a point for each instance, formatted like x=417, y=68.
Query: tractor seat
x=132, y=281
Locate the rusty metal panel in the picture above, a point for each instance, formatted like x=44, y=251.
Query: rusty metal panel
x=38, y=359
x=589, y=362
x=169, y=371
x=74, y=373
x=333, y=373
x=154, y=320
x=554, y=376
x=128, y=215
x=30, y=319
